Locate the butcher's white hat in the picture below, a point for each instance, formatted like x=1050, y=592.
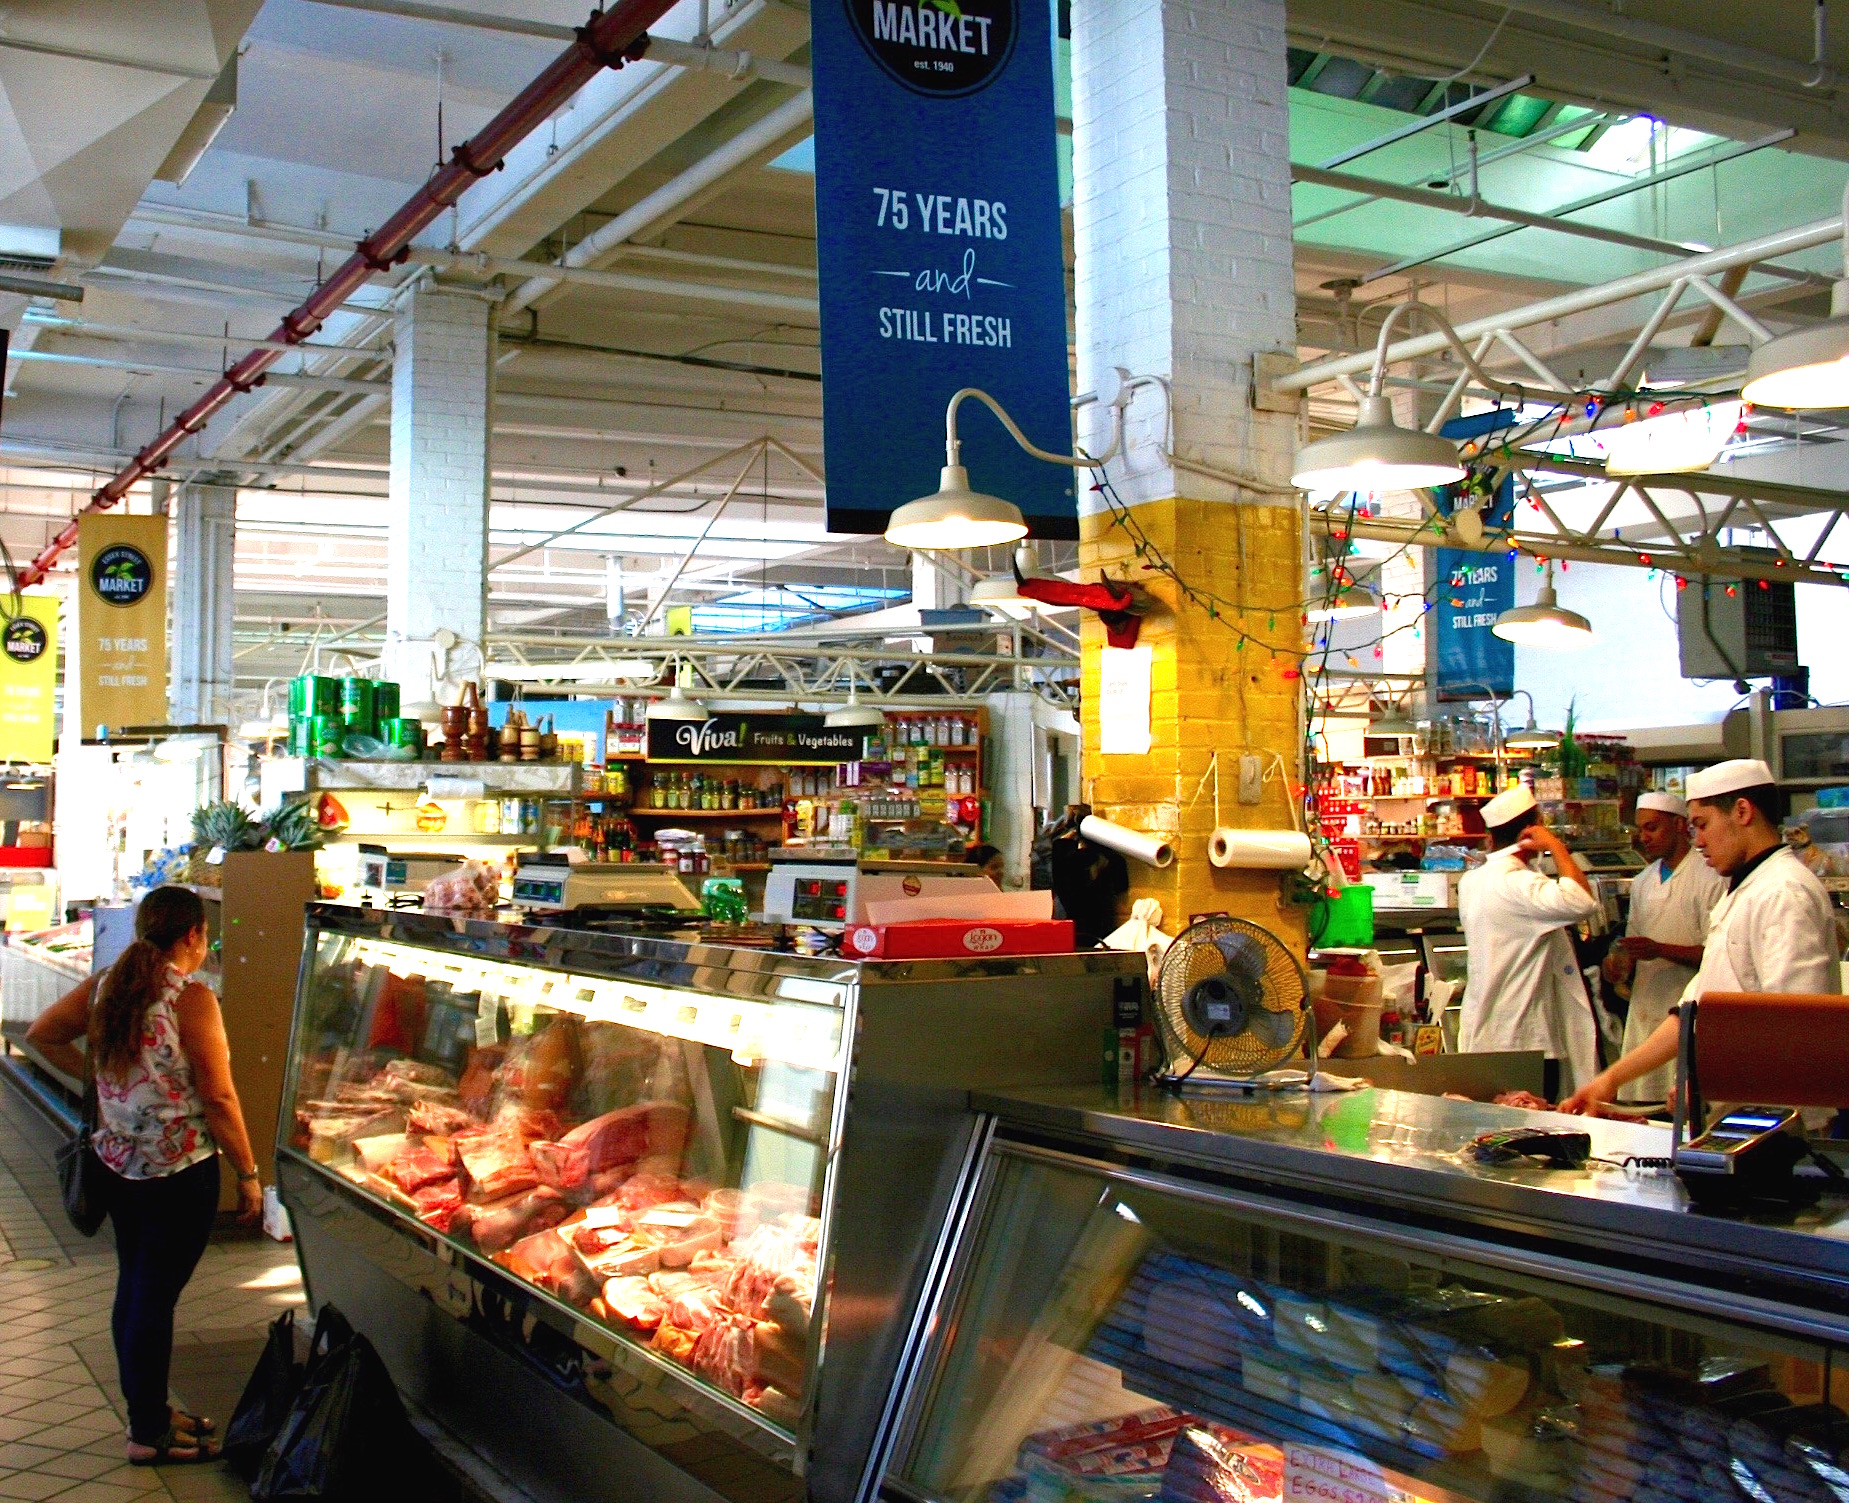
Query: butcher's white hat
x=1729, y=777
x=1504, y=807
x=1663, y=803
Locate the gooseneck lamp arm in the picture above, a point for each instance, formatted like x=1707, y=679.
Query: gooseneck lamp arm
x=953, y=446
x=1377, y=376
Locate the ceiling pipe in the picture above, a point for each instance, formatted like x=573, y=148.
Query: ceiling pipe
x=605, y=41
x=753, y=141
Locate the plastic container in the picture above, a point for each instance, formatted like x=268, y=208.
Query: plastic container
x=1344, y=921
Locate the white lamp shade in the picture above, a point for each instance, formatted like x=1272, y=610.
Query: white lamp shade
x=1532, y=738
x=854, y=716
x=1806, y=368
x=1352, y=602
x=1546, y=623
x=1392, y=725
x=1003, y=595
x=1377, y=455
x=955, y=517
x=677, y=707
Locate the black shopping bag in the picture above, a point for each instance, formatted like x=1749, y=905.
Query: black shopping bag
x=347, y=1437
x=272, y=1388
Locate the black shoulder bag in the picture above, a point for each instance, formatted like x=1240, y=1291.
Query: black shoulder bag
x=82, y=1176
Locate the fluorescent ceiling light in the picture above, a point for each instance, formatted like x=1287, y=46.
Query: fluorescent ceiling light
x=1674, y=442
x=955, y=517
x=1377, y=455
x=1350, y=603
x=1546, y=623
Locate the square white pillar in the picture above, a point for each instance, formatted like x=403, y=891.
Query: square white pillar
x=202, y=675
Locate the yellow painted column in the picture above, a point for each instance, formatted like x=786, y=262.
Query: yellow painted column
x=1216, y=685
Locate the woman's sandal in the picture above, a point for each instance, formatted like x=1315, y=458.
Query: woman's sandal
x=167, y=1451
x=198, y=1424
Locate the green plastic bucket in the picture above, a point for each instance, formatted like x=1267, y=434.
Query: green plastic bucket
x=1345, y=921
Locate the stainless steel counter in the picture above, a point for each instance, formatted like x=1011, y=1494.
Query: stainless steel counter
x=1404, y=1153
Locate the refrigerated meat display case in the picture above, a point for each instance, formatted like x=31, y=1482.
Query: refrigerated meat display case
x=1328, y=1297
x=633, y=1215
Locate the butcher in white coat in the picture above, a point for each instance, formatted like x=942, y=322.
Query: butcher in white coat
x=1671, y=899
x=1773, y=931
x=1524, y=990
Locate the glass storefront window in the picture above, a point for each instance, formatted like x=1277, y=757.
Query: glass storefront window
x=653, y=1157
x=1117, y=1337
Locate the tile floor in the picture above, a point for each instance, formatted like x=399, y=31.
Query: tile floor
x=62, y=1432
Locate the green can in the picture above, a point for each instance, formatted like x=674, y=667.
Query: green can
x=301, y=735
x=357, y=706
x=384, y=701
x=325, y=736
x=313, y=694
x=399, y=731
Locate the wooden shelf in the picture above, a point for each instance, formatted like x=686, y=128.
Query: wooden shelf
x=711, y=813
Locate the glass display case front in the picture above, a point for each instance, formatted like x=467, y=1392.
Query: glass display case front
x=649, y=1156
x=1115, y=1334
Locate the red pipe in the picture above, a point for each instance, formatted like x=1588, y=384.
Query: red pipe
x=608, y=40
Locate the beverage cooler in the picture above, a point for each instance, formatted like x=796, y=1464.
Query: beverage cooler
x=1329, y=1297
x=638, y=1216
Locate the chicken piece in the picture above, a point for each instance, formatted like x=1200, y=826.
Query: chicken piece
x=631, y=1301
x=790, y=1304
x=781, y=1356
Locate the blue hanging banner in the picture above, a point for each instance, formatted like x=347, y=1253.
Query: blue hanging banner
x=939, y=249
x=1473, y=590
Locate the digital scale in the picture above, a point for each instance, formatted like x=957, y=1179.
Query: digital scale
x=1610, y=861
x=382, y=873
x=829, y=889
x=546, y=880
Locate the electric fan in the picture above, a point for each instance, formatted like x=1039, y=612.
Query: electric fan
x=1232, y=1006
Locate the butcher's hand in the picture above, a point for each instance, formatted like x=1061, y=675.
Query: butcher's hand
x=1538, y=838
x=1639, y=948
x=1590, y=1100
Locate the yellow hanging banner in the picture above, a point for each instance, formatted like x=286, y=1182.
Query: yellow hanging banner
x=121, y=622
x=28, y=678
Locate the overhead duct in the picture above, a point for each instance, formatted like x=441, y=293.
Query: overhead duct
x=607, y=40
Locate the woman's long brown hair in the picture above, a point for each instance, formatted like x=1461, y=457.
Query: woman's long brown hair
x=128, y=989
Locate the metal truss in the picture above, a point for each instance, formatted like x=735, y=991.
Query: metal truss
x=773, y=669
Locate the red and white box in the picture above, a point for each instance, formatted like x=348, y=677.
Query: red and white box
x=922, y=939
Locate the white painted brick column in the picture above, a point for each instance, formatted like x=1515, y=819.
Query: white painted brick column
x=205, y=537
x=442, y=399
x=1181, y=218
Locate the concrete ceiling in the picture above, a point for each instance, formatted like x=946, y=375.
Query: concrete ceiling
x=604, y=392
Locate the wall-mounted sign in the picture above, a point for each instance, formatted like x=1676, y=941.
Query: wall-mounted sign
x=121, y=622
x=1473, y=589
x=28, y=680
x=938, y=242
x=786, y=740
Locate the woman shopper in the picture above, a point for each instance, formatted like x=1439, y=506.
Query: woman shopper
x=166, y=1108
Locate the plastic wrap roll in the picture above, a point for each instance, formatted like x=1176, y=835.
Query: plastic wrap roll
x=1264, y=850
x=1151, y=850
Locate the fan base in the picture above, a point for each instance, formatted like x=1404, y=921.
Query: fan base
x=1210, y=1083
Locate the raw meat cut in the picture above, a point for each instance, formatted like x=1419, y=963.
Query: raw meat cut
x=781, y=1354
x=497, y=1162
x=631, y=1301
x=533, y=1257
x=790, y=1303
x=774, y=1403
x=434, y=1117
x=764, y=1257
x=415, y=1166
x=476, y=1087
x=671, y=1285
x=562, y=1167
x=438, y=1203
x=504, y=1222
x=713, y=1270
x=725, y=1355
x=694, y=1310
x=652, y=1130
x=532, y=1123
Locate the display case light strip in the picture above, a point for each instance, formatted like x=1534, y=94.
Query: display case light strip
x=805, y=1034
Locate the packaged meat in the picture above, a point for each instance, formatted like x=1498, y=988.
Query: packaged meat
x=774, y=1404
x=694, y=1310
x=376, y=1153
x=654, y=1132
x=675, y=1342
x=562, y=1167
x=782, y=1356
x=533, y=1257
x=542, y=1071
x=479, y=1076
x=671, y=1284
x=790, y=1303
x=438, y=1203
x=728, y=1208
x=415, y=1166
x=503, y=1222
x=725, y=1355
x=764, y=1257
x=714, y=1270
x=532, y=1123
x=634, y=1303
x=1211, y=1464
x=435, y=1117
x=497, y=1163
x=681, y=1235
x=624, y=1259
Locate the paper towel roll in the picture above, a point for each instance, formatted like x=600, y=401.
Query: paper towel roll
x=1266, y=850
x=1151, y=850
